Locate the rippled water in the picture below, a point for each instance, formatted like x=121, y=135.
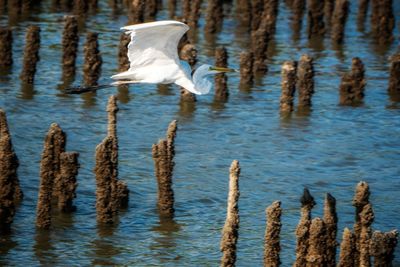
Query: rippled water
x=329, y=150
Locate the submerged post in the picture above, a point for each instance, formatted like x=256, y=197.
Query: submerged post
x=305, y=81
x=246, y=68
x=230, y=232
x=339, y=18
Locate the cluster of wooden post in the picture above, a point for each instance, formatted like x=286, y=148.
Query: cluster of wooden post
x=58, y=171
x=112, y=194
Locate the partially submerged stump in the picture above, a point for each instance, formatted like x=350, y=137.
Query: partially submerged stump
x=93, y=60
x=272, y=246
x=303, y=229
x=305, y=81
x=137, y=11
x=214, y=16
x=70, y=42
x=315, y=18
x=288, y=85
x=31, y=54
x=10, y=191
x=347, y=249
x=340, y=15
x=54, y=145
x=382, y=247
x=259, y=45
x=230, y=232
x=69, y=167
x=353, y=84
x=221, y=80
x=382, y=21
x=394, y=80
x=246, y=68
x=5, y=47
x=366, y=219
x=330, y=220
x=163, y=155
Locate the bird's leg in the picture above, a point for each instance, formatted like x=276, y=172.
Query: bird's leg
x=84, y=89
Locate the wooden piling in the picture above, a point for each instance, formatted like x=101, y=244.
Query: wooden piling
x=270, y=14
x=259, y=46
x=317, y=244
x=303, y=229
x=93, y=60
x=230, y=232
x=339, y=18
x=360, y=199
x=272, y=246
x=347, y=248
x=54, y=145
x=353, y=84
x=70, y=42
x=80, y=7
x=5, y=47
x=163, y=154
x=69, y=167
x=123, y=60
x=221, y=80
x=137, y=11
x=362, y=12
x=315, y=18
x=246, y=68
x=366, y=219
x=172, y=8
x=394, y=79
x=194, y=14
x=330, y=220
x=151, y=9
x=329, y=6
x=288, y=85
x=31, y=54
x=382, y=247
x=257, y=7
x=382, y=20
x=305, y=81
x=10, y=191
x=214, y=16
x=298, y=8
x=243, y=13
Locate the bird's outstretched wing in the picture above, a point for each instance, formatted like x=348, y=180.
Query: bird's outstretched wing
x=154, y=43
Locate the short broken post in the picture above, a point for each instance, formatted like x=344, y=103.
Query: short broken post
x=288, y=86
x=163, y=154
x=5, y=47
x=272, y=245
x=353, y=84
x=230, y=232
x=31, y=54
x=303, y=229
x=221, y=80
x=93, y=60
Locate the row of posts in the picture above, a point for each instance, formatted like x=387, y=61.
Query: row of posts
x=316, y=237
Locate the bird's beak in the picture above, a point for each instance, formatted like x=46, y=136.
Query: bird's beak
x=220, y=69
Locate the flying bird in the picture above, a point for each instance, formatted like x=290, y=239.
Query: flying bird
x=153, y=57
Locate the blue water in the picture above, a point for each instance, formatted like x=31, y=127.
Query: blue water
x=330, y=150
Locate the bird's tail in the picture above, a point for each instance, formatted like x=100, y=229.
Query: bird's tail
x=84, y=89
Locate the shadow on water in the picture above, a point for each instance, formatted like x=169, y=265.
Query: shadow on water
x=166, y=244
x=6, y=244
x=44, y=248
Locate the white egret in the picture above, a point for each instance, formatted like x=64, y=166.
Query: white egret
x=153, y=57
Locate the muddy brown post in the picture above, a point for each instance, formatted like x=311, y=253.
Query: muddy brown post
x=288, y=86
x=303, y=228
x=259, y=46
x=353, y=84
x=93, y=60
x=394, y=80
x=315, y=18
x=272, y=245
x=186, y=4
x=221, y=80
x=329, y=6
x=14, y=7
x=163, y=155
x=339, y=18
x=151, y=9
x=243, y=13
x=317, y=244
x=69, y=167
x=382, y=247
x=10, y=191
x=305, y=81
x=137, y=11
x=270, y=13
x=92, y=5
x=360, y=199
x=347, y=248
x=106, y=204
x=257, y=7
x=366, y=219
x=188, y=53
x=80, y=7
x=31, y=54
x=54, y=145
x=123, y=60
x=330, y=220
x=362, y=12
x=230, y=232
x=246, y=68
x=5, y=47
x=70, y=42
x=194, y=15
x=298, y=8
x=382, y=20
x=172, y=8
x=214, y=16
